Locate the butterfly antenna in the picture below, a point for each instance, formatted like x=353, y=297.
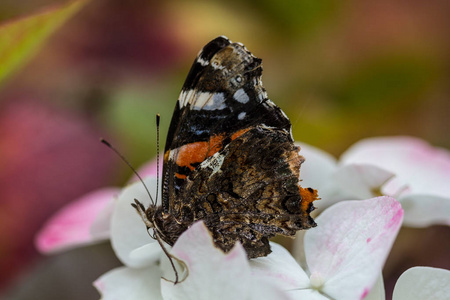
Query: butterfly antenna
x=158, y=117
x=129, y=165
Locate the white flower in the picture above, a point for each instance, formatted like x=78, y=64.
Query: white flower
x=406, y=168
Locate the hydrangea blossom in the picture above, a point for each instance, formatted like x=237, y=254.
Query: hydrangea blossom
x=345, y=254
x=406, y=168
x=212, y=274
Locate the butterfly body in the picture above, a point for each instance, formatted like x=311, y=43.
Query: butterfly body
x=230, y=159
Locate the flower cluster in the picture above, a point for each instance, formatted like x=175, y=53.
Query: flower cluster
x=397, y=180
x=406, y=168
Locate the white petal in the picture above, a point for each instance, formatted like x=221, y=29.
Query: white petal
x=424, y=168
x=130, y=284
x=361, y=181
x=421, y=283
x=350, y=245
x=377, y=292
x=317, y=167
x=212, y=273
x=281, y=267
x=268, y=290
x=128, y=231
x=425, y=210
x=70, y=227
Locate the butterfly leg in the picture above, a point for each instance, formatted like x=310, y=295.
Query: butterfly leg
x=141, y=211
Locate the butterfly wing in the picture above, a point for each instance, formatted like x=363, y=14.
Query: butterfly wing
x=222, y=98
x=249, y=192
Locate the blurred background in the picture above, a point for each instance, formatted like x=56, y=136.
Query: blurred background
x=342, y=71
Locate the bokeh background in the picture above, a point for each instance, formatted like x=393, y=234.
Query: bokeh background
x=342, y=71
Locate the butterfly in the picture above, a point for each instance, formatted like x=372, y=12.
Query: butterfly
x=230, y=158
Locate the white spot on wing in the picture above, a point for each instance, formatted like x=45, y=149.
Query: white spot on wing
x=202, y=100
x=241, y=116
x=241, y=96
x=214, y=163
x=185, y=98
x=203, y=62
x=209, y=101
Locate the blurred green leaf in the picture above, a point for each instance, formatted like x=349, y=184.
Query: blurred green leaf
x=385, y=81
x=20, y=39
x=296, y=17
x=131, y=116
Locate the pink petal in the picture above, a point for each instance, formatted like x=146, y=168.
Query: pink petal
x=131, y=284
x=101, y=226
x=70, y=227
x=421, y=283
x=424, y=168
x=350, y=244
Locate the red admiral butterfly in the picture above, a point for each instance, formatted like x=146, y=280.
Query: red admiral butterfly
x=230, y=158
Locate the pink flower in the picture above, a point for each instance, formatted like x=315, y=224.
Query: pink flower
x=81, y=222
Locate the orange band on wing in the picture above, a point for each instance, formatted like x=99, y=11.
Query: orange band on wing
x=308, y=196
x=239, y=133
x=180, y=176
x=197, y=152
x=190, y=154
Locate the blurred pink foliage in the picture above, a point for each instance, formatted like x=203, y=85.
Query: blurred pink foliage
x=48, y=157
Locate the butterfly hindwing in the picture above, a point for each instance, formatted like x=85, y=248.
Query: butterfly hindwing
x=249, y=192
